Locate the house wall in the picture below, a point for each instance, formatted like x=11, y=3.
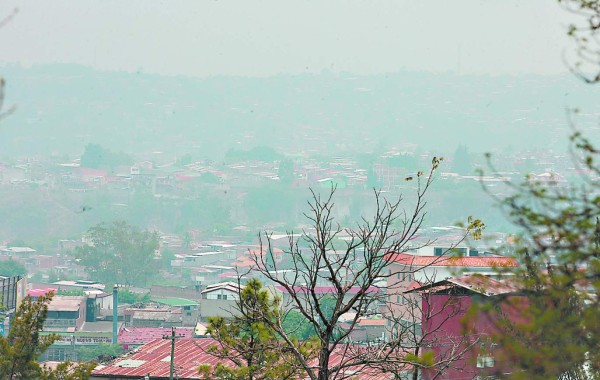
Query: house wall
x=220, y=294
x=450, y=325
x=191, y=293
x=216, y=308
x=400, y=305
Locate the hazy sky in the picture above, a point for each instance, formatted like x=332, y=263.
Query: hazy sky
x=257, y=38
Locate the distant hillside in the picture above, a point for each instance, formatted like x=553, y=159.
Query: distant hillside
x=61, y=108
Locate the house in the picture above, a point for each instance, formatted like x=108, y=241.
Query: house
x=221, y=291
x=188, y=292
x=65, y=313
x=218, y=300
x=153, y=317
x=447, y=330
x=69, y=319
x=408, y=271
x=189, y=309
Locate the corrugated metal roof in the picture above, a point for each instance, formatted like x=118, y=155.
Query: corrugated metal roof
x=476, y=283
x=65, y=303
x=174, y=301
x=137, y=335
x=454, y=261
x=326, y=289
x=189, y=355
x=154, y=359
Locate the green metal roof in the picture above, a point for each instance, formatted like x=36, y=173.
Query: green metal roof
x=173, y=301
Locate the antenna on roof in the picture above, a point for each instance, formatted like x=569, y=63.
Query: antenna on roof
x=172, y=337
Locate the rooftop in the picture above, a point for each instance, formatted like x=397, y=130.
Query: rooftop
x=154, y=357
x=454, y=261
x=475, y=283
x=65, y=303
x=175, y=302
x=133, y=335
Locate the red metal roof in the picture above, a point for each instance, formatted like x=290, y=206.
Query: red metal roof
x=154, y=357
x=137, y=335
x=40, y=292
x=454, y=261
x=371, y=322
x=327, y=289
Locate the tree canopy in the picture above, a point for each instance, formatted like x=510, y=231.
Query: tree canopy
x=97, y=157
x=11, y=268
x=120, y=253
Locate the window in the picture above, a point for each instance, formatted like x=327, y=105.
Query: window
x=439, y=251
x=485, y=361
x=222, y=296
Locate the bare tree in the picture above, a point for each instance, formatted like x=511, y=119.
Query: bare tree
x=328, y=277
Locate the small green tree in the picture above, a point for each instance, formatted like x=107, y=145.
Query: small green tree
x=99, y=353
x=24, y=344
x=11, y=268
x=251, y=344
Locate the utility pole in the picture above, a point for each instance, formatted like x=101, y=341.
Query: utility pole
x=172, y=337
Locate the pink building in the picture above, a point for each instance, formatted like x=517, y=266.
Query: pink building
x=468, y=342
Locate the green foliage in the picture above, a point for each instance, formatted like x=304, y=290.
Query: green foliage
x=11, y=268
x=425, y=360
x=250, y=340
x=404, y=161
x=97, y=157
x=558, y=247
x=68, y=371
x=298, y=326
x=209, y=178
x=71, y=293
x=286, y=171
x=186, y=159
x=17, y=243
x=259, y=153
x=120, y=254
x=24, y=344
x=99, y=353
x=127, y=296
x=272, y=202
